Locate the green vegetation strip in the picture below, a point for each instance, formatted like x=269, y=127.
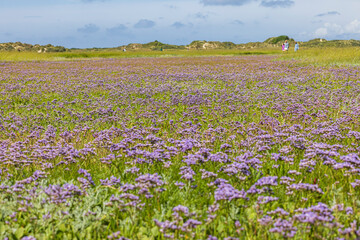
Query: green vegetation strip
x=84, y=54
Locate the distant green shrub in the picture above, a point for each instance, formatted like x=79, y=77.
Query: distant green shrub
x=275, y=40
x=56, y=49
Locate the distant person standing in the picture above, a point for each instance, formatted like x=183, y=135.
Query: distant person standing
x=286, y=48
x=283, y=47
x=296, y=47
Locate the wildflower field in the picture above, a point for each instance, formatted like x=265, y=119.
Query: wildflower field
x=226, y=147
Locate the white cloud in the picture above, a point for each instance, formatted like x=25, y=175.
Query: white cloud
x=334, y=30
x=321, y=32
x=353, y=27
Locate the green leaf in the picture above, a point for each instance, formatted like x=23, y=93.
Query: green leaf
x=143, y=230
x=2, y=228
x=62, y=227
x=220, y=227
x=154, y=232
x=251, y=213
x=19, y=233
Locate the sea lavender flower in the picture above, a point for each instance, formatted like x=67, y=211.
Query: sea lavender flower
x=286, y=180
x=46, y=216
x=266, y=199
x=59, y=194
x=226, y=147
x=219, y=157
x=227, y=192
x=108, y=159
x=167, y=164
x=275, y=156
x=284, y=227
x=315, y=214
x=236, y=168
x=84, y=183
x=28, y=238
x=182, y=209
x=193, y=159
x=87, y=175
x=132, y=170
x=305, y=186
x=349, y=211
x=113, y=181
x=180, y=184
x=187, y=173
x=190, y=224
x=205, y=152
x=149, y=180
x=165, y=225
x=114, y=235
x=278, y=211
x=213, y=208
x=272, y=181
x=127, y=187
x=356, y=183
x=205, y=174
x=294, y=172
x=212, y=238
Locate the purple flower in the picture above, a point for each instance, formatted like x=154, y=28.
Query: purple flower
x=59, y=194
x=306, y=186
x=187, y=173
x=227, y=192
x=87, y=175
x=113, y=181
x=272, y=181
x=284, y=227
x=182, y=209
x=212, y=238
x=149, y=180
x=190, y=224
x=266, y=199
x=28, y=238
x=180, y=184
x=279, y=211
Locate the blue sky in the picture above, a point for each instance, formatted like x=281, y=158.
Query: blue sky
x=111, y=23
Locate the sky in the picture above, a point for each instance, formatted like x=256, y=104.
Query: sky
x=112, y=23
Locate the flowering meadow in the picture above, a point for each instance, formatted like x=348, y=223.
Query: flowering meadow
x=179, y=148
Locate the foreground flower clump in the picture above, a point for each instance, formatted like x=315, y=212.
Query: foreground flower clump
x=183, y=148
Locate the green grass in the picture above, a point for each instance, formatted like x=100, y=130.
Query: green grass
x=325, y=56
x=83, y=54
x=314, y=56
